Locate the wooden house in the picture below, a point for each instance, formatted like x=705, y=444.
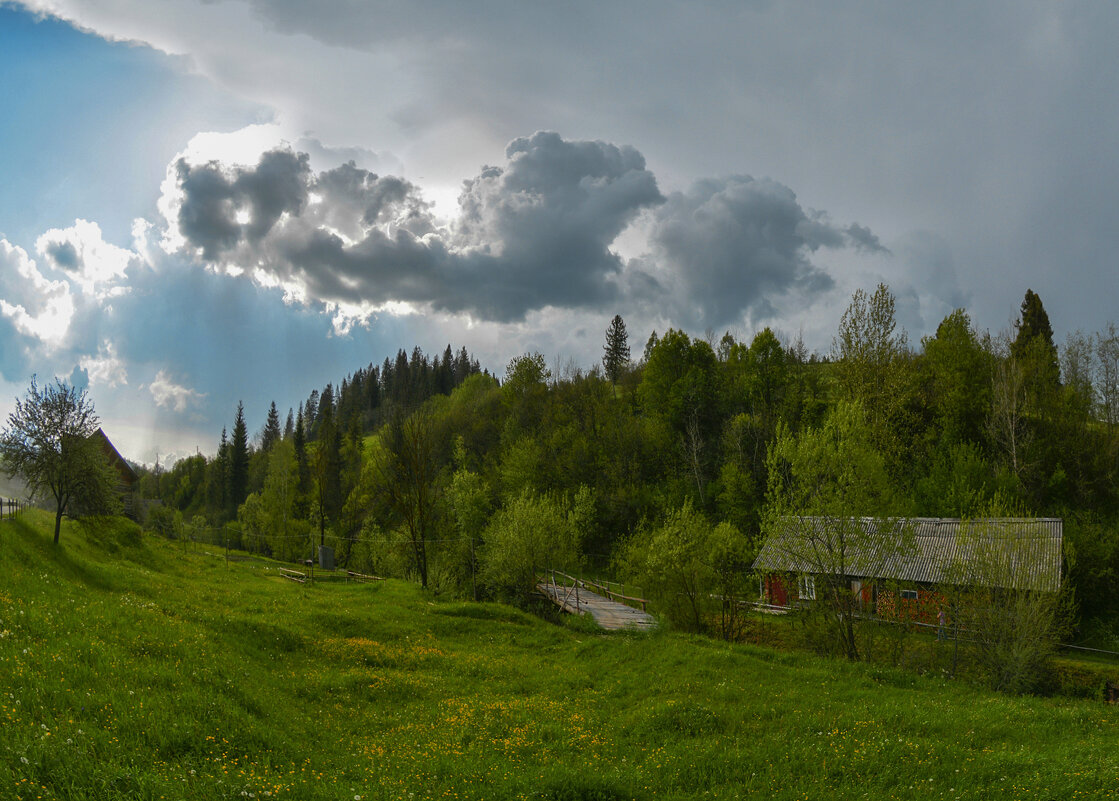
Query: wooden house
x=127, y=476
x=900, y=567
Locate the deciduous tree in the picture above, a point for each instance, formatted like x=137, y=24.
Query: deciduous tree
x=689, y=566
x=529, y=535
x=48, y=442
x=822, y=484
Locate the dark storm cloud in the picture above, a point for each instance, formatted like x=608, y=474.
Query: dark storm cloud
x=736, y=243
x=543, y=225
x=214, y=196
x=864, y=239
x=534, y=233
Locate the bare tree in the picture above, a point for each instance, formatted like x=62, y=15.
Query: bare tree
x=1107, y=382
x=821, y=484
x=1008, y=420
x=1009, y=600
x=836, y=557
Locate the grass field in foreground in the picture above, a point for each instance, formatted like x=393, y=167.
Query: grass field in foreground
x=130, y=668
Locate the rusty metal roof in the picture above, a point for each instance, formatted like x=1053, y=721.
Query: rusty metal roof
x=1018, y=553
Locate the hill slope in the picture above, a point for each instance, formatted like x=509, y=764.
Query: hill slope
x=130, y=668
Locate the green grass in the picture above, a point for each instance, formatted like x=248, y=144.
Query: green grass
x=130, y=668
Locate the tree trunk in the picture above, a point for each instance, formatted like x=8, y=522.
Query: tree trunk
x=57, y=523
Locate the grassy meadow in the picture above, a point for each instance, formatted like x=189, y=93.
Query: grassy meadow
x=133, y=668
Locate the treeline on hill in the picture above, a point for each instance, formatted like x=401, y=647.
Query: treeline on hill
x=663, y=467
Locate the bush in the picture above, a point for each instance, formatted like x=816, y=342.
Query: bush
x=528, y=536
x=161, y=521
x=687, y=565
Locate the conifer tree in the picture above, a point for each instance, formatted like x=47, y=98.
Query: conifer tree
x=616, y=355
x=1033, y=345
x=219, y=478
x=299, y=441
x=272, y=433
x=310, y=412
x=239, y=460
x=1034, y=322
x=617, y=349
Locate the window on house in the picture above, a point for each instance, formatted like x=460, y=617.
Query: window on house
x=807, y=588
x=909, y=595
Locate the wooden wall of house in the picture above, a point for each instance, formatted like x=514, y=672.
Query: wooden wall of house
x=923, y=609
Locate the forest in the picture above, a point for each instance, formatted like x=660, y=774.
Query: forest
x=661, y=464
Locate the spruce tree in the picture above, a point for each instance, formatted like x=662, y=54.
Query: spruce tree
x=1033, y=344
x=239, y=460
x=299, y=442
x=1034, y=322
x=272, y=433
x=616, y=355
x=310, y=412
x=219, y=477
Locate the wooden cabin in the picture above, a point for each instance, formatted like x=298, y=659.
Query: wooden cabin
x=899, y=567
x=127, y=476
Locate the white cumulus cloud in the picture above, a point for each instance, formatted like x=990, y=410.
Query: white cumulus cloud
x=168, y=394
x=38, y=307
x=106, y=368
x=81, y=253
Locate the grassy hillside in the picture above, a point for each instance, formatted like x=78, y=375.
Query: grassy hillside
x=130, y=668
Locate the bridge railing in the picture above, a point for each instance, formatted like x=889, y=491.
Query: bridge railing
x=600, y=586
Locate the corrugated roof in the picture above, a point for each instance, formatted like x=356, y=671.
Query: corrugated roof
x=1019, y=553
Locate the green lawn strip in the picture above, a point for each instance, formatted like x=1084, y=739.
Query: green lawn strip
x=131, y=668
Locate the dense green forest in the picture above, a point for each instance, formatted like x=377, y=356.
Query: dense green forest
x=661, y=464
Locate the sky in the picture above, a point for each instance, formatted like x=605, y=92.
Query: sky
x=211, y=201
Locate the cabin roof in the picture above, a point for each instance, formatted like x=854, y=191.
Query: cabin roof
x=1018, y=553
x=118, y=461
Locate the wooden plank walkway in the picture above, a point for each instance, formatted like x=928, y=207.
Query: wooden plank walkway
x=611, y=615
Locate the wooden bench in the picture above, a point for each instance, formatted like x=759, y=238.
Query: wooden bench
x=352, y=576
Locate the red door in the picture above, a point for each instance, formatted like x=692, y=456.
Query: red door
x=778, y=592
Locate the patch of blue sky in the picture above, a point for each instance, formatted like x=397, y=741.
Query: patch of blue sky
x=88, y=126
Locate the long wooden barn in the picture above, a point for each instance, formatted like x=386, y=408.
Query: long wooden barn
x=916, y=557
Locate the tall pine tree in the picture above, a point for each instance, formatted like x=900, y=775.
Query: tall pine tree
x=239, y=460
x=299, y=442
x=272, y=432
x=1033, y=345
x=616, y=355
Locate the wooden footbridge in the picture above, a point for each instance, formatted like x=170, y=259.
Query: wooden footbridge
x=611, y=609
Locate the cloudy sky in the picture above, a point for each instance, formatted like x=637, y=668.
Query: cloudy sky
x=206, y=201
